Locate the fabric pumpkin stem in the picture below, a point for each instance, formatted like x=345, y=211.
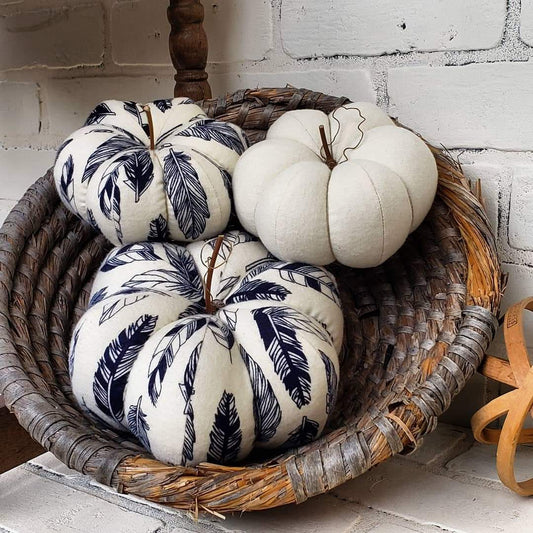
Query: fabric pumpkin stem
x=209, y=305
x=146, y=109
x=330, y=160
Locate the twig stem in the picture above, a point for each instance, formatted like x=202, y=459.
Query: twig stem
x=330, y=161
x=146, y=109
x=209, y=306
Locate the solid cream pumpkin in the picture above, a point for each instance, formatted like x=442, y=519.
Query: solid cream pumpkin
x=150, y=172
x=349, y=186
x=260, y=369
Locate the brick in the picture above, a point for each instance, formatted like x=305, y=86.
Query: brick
x=480, y=462
x=472, y=106
x=238, y=30
x=31, y=503
x=438, y=445
x=19, y=112
x=526, y=21
x=322, y=514
x=139, y=33
x=521, y=209
x=355, y=84
x=55, y=37
x=397, y=488
x=313, y=29
x=70, y=101
x=20, y=168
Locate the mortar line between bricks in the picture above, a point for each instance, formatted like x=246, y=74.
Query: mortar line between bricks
x=514, y=263
x=380, y=80
x=277, y=42
x=107, y=52
x=511, y=27
x=500, y=54
x=280, y=60
x=505, y=235
x=40, y=100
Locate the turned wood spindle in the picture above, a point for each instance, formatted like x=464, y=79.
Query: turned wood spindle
x=188, y=48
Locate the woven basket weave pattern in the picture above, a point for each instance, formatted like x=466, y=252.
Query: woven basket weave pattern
x=416, y=330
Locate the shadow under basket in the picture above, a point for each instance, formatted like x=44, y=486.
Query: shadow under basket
x=417, y=328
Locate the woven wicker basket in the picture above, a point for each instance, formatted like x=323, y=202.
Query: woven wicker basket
x=417, y=328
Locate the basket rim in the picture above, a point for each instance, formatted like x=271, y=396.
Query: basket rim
x=288, y=480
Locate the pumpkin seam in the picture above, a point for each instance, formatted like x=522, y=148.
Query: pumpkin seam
x=208, y=180
x=328, y=215
x=163, y=183
x=311, y=137
x=381, y=214
x=408, y=197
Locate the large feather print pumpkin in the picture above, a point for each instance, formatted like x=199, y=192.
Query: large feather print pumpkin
x=259, y=369
x=150, y=172
x=349, y=186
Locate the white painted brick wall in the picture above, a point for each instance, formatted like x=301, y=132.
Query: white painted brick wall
x=17, y=121
x=472, y=106
x=250, y=36
x=69, y=101
x=139, y=31
x=354, y=83
x=458, y=72
x=20, y=167
x=520, y=216
x=58, y=37
x=312, y=28
x=526, y=22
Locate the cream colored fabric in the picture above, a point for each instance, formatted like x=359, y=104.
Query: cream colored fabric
x=359, y=213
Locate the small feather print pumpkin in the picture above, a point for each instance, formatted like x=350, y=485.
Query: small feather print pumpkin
x=150, y=172
x=347, y=187
x=206, y=371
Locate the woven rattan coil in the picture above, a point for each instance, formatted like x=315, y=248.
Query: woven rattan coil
x=417, y=328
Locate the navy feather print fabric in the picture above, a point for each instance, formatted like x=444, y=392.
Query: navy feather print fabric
x=262, y=370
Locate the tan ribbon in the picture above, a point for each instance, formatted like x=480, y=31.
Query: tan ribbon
x=515, y=405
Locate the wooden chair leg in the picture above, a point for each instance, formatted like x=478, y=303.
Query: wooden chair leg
x=188, y=48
